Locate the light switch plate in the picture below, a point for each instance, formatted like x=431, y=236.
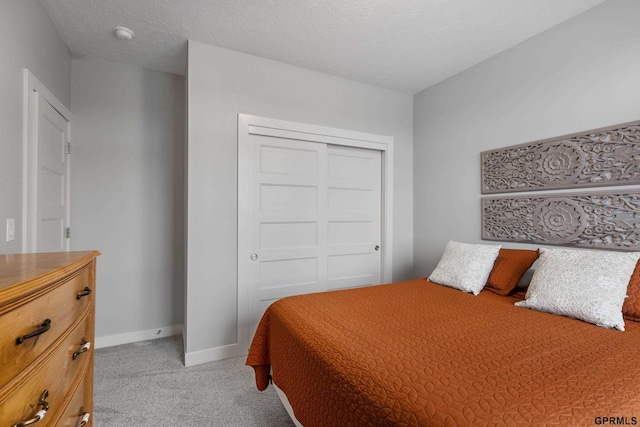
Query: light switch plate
x=11, y=229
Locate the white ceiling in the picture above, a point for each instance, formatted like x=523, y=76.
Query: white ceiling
x=407, y=45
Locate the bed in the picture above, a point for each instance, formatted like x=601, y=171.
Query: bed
x=417, y=353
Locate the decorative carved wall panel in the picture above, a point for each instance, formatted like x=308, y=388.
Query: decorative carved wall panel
x=596, y=220
x=607, y=156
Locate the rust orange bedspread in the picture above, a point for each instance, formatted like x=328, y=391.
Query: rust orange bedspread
x=419, y=354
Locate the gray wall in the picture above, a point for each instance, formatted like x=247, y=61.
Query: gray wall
x=223, y=83
x=29, y=40
x=580, y=75
x=127, y=185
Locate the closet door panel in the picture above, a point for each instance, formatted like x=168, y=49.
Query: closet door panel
x=354, y=207
x=287, y=220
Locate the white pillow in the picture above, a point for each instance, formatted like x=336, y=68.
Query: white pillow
x=585, y=285
x=465, y=266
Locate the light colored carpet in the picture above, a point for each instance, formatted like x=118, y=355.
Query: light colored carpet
x=146, y=384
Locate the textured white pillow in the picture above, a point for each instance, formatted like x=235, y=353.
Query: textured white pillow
x=585, y=285
x=465, y=266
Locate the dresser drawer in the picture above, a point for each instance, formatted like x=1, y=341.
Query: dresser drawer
x=61, y=307
x=58, y=375
x=79, y=408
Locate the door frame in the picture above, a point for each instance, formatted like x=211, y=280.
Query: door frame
x=254, y=125
x=33, y=89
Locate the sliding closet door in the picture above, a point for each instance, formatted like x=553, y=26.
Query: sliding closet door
x=354, y=206
x=314, y=213
x=287, y=219
x=314, y=219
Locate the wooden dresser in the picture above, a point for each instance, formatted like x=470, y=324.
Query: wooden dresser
x=46, y=337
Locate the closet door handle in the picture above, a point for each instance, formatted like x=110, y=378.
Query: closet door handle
x=41, y=330
x=38, y=415
x=87, y=291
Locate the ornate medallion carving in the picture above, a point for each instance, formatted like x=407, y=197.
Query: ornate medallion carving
x=609, y=156
x=560, y=219
x=559, y=162
x=604, y=220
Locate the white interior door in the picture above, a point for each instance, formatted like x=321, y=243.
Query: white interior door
x=46, y=189
x=52, y=196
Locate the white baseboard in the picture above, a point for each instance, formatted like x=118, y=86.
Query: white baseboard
x=210, y=355
x=130, y=337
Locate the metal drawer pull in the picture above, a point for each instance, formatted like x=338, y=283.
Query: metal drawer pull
x=84, y=346
x=87, y=291
x=85, y=418
x=40, y=414
x=41, y=330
